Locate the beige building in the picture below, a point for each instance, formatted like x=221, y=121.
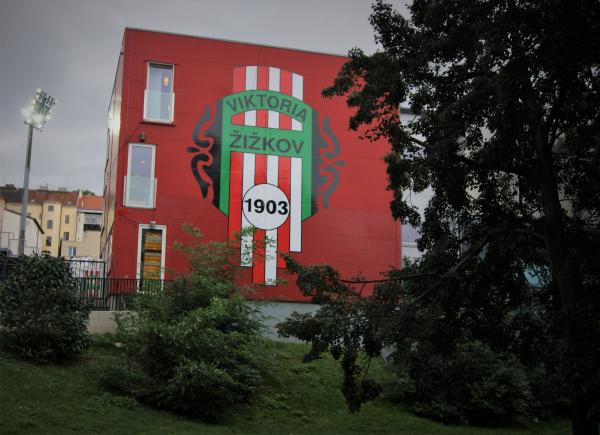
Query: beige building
x=86, y=243
x=54, y=210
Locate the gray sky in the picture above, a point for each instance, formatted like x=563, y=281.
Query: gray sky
x=69, y=48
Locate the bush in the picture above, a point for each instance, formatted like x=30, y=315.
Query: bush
x=190, y=348
x=195, y=365
x=472, y=385
x=42, y=315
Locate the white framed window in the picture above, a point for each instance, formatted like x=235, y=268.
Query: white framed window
x=152, y=241
x=140, y=183
x=159, y=98
x=72, y=251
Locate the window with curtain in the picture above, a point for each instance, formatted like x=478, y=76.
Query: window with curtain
x=159, y=97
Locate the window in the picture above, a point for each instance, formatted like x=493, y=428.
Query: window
x=159, y=97
x=72, y=251
x=49, y=224
x=48, y=240
x=67, y=218
x=139, y=181
x=66, y=236
x=151, y=251
x=50, y=208
x=92, y=219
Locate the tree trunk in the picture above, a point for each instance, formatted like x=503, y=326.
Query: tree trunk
x=570, y=290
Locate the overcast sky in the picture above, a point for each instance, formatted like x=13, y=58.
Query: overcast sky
x=69, y=48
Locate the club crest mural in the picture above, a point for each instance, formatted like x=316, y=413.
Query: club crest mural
x=268, y=162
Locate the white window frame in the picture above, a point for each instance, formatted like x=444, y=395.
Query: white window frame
x=172, y=114
x=163, y=247
x=127, y=202
x=72, y=251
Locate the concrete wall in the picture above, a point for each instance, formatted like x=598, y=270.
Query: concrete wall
x=103, y=322
x=275, y=312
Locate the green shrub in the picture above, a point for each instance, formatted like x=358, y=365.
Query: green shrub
x=472, y=385
x=190, y=348
x=42, y=315
x=195, y=365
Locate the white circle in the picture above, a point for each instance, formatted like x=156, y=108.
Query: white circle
x=265, y=206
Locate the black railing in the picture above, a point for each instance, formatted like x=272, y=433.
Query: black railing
x=102, y=293
x=116, y=294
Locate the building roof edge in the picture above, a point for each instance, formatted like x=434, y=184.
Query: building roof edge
x=211, y=38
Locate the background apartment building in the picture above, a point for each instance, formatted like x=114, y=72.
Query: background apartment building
x=86, y=243
x=52, y=219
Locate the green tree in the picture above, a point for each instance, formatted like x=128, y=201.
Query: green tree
x=507, y=136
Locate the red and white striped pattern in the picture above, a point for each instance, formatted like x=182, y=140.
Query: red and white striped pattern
x=249, y=169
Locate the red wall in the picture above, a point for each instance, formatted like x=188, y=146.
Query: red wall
x=355, y=234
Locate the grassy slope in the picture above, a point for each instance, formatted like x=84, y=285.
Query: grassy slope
x=299, y=399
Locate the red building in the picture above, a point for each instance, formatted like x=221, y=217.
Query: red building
x=226, y=135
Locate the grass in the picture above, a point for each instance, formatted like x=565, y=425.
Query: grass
x=298, y=399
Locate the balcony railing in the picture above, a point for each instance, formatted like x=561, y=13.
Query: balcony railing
x=10, y=242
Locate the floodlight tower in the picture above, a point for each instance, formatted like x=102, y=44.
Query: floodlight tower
x=36, y=116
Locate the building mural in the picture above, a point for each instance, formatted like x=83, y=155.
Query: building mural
x=226, y=135
x=265, y=163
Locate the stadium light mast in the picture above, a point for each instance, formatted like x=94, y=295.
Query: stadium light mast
x=36, y=116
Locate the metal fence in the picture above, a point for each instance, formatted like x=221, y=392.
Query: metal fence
x=10, y=242
x=87, y=268
x=116, y=294
x=79, y=268
x=101, y=292
x=5, y=238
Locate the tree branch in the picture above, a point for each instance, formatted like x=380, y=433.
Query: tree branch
x=468, y=257
x=398, y=278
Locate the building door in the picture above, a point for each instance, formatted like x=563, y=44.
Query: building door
x=151, y=252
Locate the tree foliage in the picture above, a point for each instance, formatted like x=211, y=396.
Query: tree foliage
x=42, y=314
x=505, y=130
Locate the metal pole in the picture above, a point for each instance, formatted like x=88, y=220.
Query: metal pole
x=25, y=199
